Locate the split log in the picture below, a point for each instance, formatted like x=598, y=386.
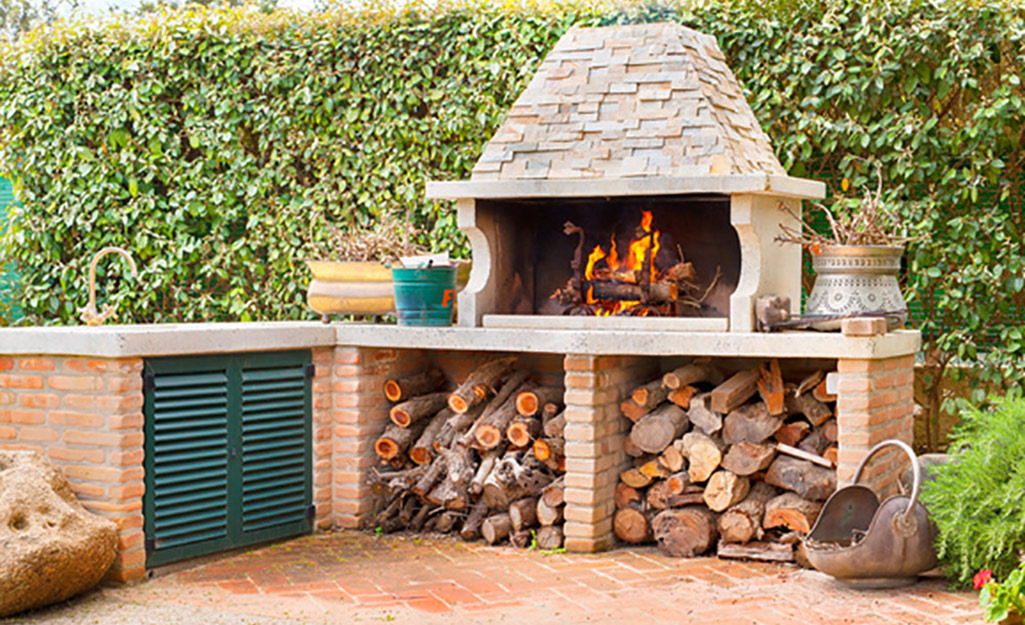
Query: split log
x=653, y=469
x=746, y=458
x=514, y=479
x=802, y=477
x=631, y=525
x=831, y=453
x=815, y=411
x=521, y=539
x=632, y=410
x=692, y=374
x=634, y=478
x=672, y=459
x=810, y=382
x=814, y=443
x=702, y=417
x=631, y=450
x=659, y=493
x=820, y=393
x=829, y=431
x=703, y=454
x=791, y=511
x=650, y=395
x=760, y=551
x=471, y=528
x=751, y=423
x=523, y=513
x=433, y=475
x=685, y=532
x=725, y=489
x=444, y=439
x=401, y=389
x=413, y=410
x=480, y=384
x=530, y=402
x=484, y=469
x=626, y=496
x=550, y=537
x=554, y=493
x=770, y=387
x=496, y=528
x=742, y=522
x=682, y=396
x=550, y=450
x=734, y=391
x=792, y=433
x=555, y=426
x=422, y=451
x=460, y=469
x=548, y=515
x=656, y=431
x=395, y=440
x=804, y=455
x=687, y=498
x=523, y=430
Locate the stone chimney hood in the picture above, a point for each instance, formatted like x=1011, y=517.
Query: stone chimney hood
x=629, y=110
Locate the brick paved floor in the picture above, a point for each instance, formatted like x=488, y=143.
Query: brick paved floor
x=345, y=577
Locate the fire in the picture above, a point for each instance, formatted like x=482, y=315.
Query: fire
x=637, y=253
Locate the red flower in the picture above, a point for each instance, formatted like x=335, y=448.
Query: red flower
x=982, y=578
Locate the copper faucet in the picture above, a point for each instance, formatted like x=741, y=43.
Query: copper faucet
x=90, y=315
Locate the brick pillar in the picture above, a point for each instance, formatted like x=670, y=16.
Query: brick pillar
x=360, y=415
x=323, y=417
x=595, y=431
x=875, y=402
x=85, y=414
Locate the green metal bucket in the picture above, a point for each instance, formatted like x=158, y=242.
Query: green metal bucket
x=425, y=296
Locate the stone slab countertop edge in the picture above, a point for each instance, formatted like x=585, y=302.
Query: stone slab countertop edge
x=213, y=338
x=173, y=339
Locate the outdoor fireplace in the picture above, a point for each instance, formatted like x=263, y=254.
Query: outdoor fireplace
x=630, y=186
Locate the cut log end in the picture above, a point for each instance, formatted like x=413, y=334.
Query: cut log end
x=386, y=448
x=631, y=526
x=392, y=390
x=488, y=436
x=420, y=455
x=458, y=404
x=526, y=404
x=400, y=417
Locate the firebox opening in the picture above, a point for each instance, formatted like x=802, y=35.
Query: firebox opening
x=661, y=256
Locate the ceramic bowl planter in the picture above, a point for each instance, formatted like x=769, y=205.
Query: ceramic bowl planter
x=852, y=279
x=350, y=288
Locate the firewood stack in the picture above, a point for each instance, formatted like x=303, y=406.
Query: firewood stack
x=739, y=465
x=484, y=460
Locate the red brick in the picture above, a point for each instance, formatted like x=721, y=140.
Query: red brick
x=24, y=417
x=850, y=365
x=38, y=435
x=127, y=491
x=103, y=403
x=6, y=398
x=75, y=383
x=76, y=455
x=36, y=364
x=108, y=475
x=126, y=458
x=38, y=400
x=348, y=356
x=7, y=433
x=84, y=489
x=124, y=384
x=87, y=365
x=863, y=326
x=6, y=363
x=126, y=421
x=77, y=419
x=103, y=439
x=129, y=540
x=21, y=381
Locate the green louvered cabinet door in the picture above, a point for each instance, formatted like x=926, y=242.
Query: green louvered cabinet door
x=228, y=452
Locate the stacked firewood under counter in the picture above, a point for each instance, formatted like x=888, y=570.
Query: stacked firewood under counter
x=740, y=468
x=484, y=460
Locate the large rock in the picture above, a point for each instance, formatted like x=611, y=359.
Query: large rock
x=50, y=547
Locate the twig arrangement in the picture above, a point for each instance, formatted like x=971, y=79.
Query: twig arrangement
x=384, y=240
x=869, y=223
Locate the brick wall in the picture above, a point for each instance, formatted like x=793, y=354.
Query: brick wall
x=595, y=431
x=875, y=402
x=85, y=414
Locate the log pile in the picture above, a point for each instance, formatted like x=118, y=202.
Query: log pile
x=734, y=465
x=484, y=460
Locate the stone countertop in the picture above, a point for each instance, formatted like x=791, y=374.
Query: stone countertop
x=208, y=338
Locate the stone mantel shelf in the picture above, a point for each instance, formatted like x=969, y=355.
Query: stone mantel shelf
x=757, y=184
x=207, y=338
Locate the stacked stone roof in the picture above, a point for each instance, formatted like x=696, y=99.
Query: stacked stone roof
x=629, y=101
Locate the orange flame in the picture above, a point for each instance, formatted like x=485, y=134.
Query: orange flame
x=646, y=219
x=596, y=255
x=637, y=253
x=613, y=260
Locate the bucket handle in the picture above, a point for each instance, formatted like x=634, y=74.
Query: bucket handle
x=916, y=471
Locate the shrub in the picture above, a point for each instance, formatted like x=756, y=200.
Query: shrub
x=976, y=499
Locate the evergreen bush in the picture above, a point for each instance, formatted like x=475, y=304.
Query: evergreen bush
x=976, y=498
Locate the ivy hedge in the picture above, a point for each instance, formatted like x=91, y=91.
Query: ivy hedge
x=209, y=141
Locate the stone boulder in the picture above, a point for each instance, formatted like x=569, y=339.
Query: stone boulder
x=51, y=548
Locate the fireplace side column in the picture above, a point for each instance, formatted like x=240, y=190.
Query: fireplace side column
x=875, y=402
x=595, y=431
